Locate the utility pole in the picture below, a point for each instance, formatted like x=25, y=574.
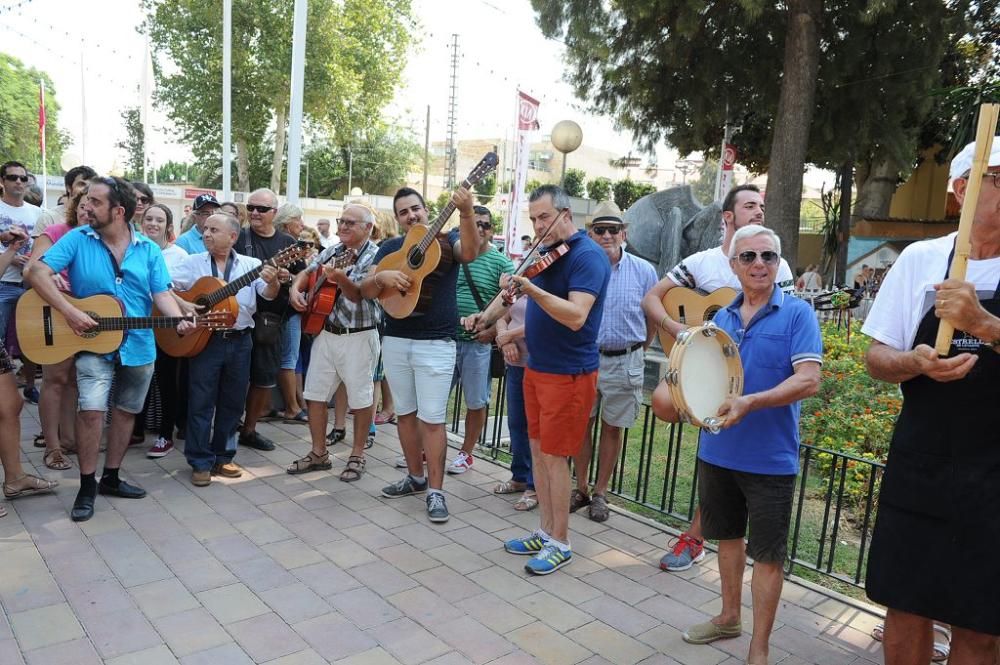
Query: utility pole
x=451, y=148
x=227, y=98
x=427, y=148
x=295, y=112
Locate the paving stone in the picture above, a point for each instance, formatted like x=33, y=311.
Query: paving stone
x=382, y=578
x=474, y=640
x=232, y=603
x=459, y=558
x=295, y=602
x=668, y=640
x=610, y=644
x=333, y=637
x=672, y=612
x=304, y=657
x=264, y=530
x=158, y=655
x=386, y=517
x=425, y=607
x=266, y=637
x=809, y=648
x=503, y=583
x=202, y=574
x=407, y=641
x=376, y=656
x=407, y=558
x=566, y=587
x=120, y=632
x=98, y=598
x=74, y=652
x=674, y=586
x=325, y=578
x=448, y=584
x=557, y=613
x=226, y=654
x=262, y=573
x=493, y=611
x=420, y=536
x=346, y=553
x=363, y=607
x=163, y=598
x=477, y=540
x=547, y=645
x=371, y=536
x=516, y=658
x=618, y=586
x=190, y=632
x=625, y=564
x=233, y=548
x=620, y=616
x=293, y=553
x=44, y=626
x=10, y=653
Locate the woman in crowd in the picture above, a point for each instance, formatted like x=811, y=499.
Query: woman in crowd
x=288, y=220
x=143, y=199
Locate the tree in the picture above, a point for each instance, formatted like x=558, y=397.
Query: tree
x=379, y=160
x=704, y=187
x=355, y=52
x=648, y=63
x=133, y=144
x=19, y=138
x=599, y=189
x=628, y=192
x=486, y=189
x=573, y=182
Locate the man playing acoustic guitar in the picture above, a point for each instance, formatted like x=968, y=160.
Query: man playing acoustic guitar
x=106, y=256
x=707, y=271
x=346, y=350
x=418, y=352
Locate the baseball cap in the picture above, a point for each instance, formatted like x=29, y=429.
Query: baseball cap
x=203, y=200
x=962, y=162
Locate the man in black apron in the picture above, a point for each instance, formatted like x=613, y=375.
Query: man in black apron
x=933, y=552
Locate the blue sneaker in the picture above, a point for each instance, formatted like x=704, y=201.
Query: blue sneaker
x=549, y=560
x=530, y=544
x=686, y=552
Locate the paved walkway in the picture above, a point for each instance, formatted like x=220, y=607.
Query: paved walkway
x=277, y=569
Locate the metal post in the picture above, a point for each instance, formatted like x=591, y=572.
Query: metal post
x=562, y=179
x=227, y=98
x=307, y=180
x=350, y=169
x=295, y=112
x=427, y=148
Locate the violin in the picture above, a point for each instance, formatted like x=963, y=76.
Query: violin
x=552, y=255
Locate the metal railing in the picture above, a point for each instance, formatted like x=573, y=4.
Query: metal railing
x=834, y=506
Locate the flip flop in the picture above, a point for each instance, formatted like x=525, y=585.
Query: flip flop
x=37, y=486
x=509, y=487
x=384, y=418
x=301, y=418
x=528, y=501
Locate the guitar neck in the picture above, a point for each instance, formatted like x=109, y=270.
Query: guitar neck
x=233, y=287
x=441, y=220
x=139, y=322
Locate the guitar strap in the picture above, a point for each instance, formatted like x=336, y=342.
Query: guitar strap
x=229, y=265
x=472, y=287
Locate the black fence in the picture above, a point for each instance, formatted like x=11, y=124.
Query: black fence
x=835, y=499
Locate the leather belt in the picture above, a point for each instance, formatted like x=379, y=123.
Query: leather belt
x=21, y=284
x=621, y=352
x=232, y=334
x=337, y=330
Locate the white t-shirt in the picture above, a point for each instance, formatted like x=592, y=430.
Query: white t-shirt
x=24, y=216
x=709, y=270
x=907, y=292
x=49, y=217
x=173, y=256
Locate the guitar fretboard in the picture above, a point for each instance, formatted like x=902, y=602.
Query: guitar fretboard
x=139, y=322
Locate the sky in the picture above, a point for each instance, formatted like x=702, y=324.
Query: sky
x=95, y=59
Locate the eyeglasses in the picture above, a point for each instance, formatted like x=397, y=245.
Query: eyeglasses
x=10, y=177
x=485, y=225
x=601, y=230
x=261, y=209
x=349, y=223
x=769, y=258
x=144, y=200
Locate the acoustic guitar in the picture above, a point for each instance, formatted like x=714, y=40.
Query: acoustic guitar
x=420, y=254
x=692, y=307
x=46, y=338
x=213, y=294
x=323, y=293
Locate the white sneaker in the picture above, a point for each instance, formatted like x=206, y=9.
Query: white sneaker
x=461, y=463
x=400, y=462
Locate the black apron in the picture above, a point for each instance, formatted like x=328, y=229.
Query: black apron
x=936, y=541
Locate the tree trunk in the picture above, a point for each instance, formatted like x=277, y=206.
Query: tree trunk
x=791, y=124
x=242, y=165
x=280, y=116
x=876, y=185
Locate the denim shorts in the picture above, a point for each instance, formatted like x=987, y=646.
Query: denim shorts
x=730, y=499
x=291, y=337
x=419, y=373
x=472, y=370
x=94, y=374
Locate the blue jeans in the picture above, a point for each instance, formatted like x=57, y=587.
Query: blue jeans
x=517, y=424
x=219, y=378
x=291, y=337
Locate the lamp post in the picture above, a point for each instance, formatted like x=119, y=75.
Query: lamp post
x=566, y=137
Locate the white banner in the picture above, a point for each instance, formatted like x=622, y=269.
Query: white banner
x=516, y=225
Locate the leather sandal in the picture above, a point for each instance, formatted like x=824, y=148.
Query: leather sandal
x=509, y=487
x=35, y=485
x=355, y=467
x=55, y=460
x=311, y=462
x=578, y=500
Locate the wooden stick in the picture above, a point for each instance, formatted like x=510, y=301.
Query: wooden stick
x=984, y=141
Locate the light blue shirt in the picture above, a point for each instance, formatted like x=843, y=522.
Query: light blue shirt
x=783, y=333
x=624, y=322
x=92, y=271
x=190, y=241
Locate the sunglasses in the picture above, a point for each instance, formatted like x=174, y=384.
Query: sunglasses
x=484, y=225
x=601, y=230
x=10, y=177
x=769, y=258
x=261, y=209
x=145, y=200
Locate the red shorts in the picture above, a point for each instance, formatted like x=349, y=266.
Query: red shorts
x=558, y=409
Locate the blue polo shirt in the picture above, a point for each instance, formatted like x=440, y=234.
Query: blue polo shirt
x=191, y=241
x=92, y=271
x=552, y=347
x=784, y=332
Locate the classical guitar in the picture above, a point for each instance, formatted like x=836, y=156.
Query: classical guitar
x=692, y=307
x=323, y=293
x=421, y=253
x=46, y=338
x=213, y=294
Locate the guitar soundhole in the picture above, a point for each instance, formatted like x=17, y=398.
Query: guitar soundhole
x=203, y=303
x=710, y=312
x=93, y=332
x=415, y=258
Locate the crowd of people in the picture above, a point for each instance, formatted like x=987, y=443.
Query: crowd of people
x=571, y=338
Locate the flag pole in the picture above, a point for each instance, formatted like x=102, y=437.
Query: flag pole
x=41, y=131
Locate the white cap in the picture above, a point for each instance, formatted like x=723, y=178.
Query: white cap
x=962, y=163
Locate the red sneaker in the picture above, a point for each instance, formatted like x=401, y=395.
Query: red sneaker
x=687, y=551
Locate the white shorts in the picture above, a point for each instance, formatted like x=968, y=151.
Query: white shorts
x=419, y=373
x=348, y=358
